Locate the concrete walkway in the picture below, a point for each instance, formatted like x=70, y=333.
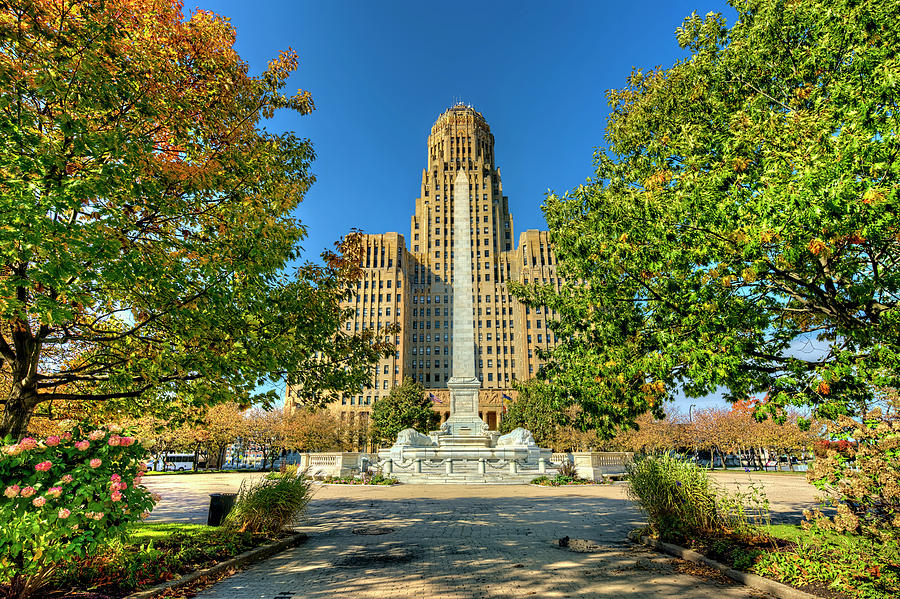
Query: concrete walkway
x=459, y=541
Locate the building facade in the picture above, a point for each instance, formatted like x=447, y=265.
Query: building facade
x=409, y=282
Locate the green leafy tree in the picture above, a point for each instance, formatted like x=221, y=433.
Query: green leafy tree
x=406, y=406
x=745, y=207
x=537, y=409
x=146, y=217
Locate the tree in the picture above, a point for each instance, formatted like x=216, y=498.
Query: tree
x=745, y=207
x=537, y=410
x=146, y=217
x=224, y=424
x=312, y=430
x=656, y=435
x=406, y=406
x=268, y=430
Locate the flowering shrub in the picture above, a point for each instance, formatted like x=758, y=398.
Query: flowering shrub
x=62, y=498
x=862, y=477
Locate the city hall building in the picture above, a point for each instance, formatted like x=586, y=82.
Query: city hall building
x=408, y=281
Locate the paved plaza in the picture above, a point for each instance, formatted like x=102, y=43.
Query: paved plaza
x=457, y=541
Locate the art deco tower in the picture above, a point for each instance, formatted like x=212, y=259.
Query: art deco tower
x=408, y=281
x=461, y=140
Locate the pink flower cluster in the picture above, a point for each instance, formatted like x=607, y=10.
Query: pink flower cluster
x=12, y=491
x=96, y=435
x=28, y=491
x=43, y=466
x=94, y=515
x=38, y=501
x=67, y=478
x=63, y=513
x=116, y=440
x=27, y=444
x=54, y=491
x=95, y=463
x=116, y=487
x=82, y=445
x=12, y=450
x=52, y=441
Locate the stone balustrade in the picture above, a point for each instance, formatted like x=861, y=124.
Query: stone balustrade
x=336, y=464
x=597, y=465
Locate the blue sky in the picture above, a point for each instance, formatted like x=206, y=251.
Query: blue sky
x=381, y=72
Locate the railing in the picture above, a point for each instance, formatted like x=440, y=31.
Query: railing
x=561, y=458
x=596, y=465
x=333, y=463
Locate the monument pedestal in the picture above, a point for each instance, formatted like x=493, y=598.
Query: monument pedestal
x=464, y=420
x=463, y=450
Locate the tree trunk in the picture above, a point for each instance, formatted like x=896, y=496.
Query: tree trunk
x=19, y=407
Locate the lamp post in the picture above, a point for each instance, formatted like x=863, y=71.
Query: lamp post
x=691, y=412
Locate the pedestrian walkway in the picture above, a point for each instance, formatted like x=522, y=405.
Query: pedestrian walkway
x=461, y=542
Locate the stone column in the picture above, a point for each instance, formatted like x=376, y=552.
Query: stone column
x=464, y=385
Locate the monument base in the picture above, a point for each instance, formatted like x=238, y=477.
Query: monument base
x=464, y=420
x=487, y=458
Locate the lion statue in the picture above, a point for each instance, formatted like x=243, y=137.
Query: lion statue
x=410, y=437
x=518, y=436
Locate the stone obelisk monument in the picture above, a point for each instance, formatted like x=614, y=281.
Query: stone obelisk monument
x=463, y=384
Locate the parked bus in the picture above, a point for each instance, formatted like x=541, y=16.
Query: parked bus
x=173, y=462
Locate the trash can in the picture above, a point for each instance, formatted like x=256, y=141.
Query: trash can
x=219, y=506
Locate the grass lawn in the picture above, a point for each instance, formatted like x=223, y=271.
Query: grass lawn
x=158, y=531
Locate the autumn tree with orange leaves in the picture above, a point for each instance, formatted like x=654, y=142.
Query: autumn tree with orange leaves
x=145, y=217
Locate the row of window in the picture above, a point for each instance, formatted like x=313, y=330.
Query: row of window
x=381, y=284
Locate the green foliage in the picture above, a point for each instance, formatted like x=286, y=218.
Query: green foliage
x=561, y=480
x=682, y=505
x=746, y=205
x=65, y=496
x=849, y=564
x=147, y=218
x=677, y=497
x=538, y=410
x=365, y=479
x=269, y=506
x=405, y=407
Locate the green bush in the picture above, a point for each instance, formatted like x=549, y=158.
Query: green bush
x=677, y=497
x=365, y=479
x=268, y=506
x=560, y=481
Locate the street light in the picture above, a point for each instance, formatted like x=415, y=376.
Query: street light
x=691, y=412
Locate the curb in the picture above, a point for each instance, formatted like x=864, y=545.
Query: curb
x=247, y=557
x=782, y=591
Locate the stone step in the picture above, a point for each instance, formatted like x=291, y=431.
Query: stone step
x=466, y=478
